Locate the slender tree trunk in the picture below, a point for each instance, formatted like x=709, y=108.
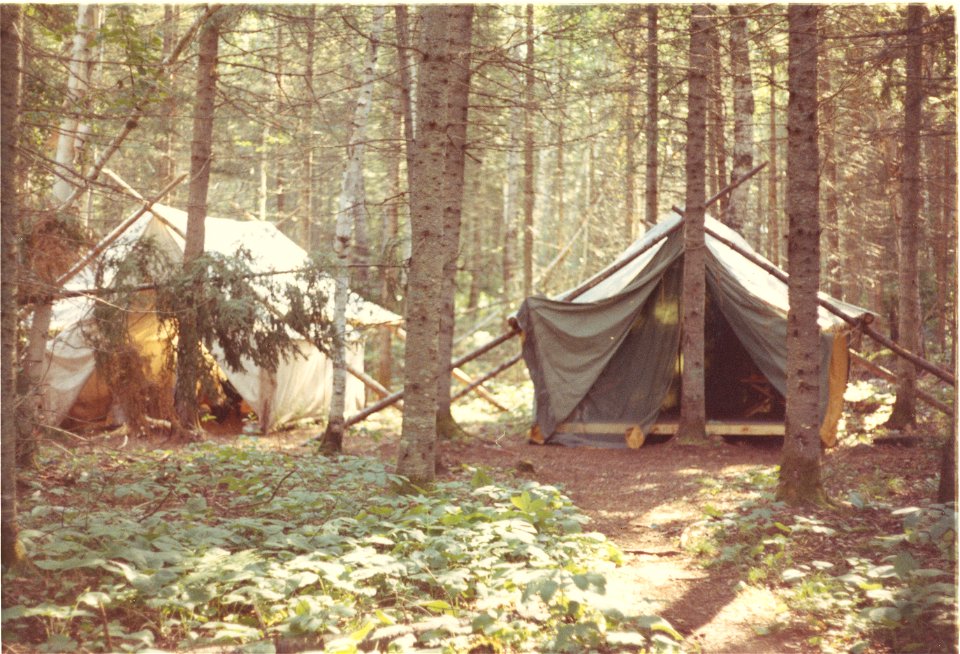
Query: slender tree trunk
x=692, y=400
x=263, y=190
x=349, y=215
x=11, y=59
x=457, y=109
x=947, y=234
x=528, y=168
x=717, y=109
x=78, y=83
x=743, y=108
x=407, y=109
x=168, y=161
x=800, y=463
x=388, y=252
x=652, y=118
x=831, y=218
x=511, y=193
x=418, y=441
x=201, y=154
x=905, y=408
x=773, y=204
x=306, y=210
x=630, y=125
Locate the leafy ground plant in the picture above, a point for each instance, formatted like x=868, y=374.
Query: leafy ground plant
x=236, y=547
x=865, y=575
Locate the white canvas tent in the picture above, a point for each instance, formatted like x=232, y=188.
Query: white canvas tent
x=299, y=389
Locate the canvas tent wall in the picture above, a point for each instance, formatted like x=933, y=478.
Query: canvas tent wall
x=605, y=366
x=298, y=389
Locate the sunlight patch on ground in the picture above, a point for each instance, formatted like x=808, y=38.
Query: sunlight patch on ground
x=753, y=609
x=666, y=513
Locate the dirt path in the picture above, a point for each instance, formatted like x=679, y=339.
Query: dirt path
x=643, y=500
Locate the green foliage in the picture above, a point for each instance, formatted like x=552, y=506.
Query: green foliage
x=219, y=545
x=893, y=587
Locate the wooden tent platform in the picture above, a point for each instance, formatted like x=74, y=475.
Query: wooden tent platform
x=714, y=428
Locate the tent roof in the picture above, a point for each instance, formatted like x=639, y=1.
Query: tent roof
x=754, y=279
x=271, y=251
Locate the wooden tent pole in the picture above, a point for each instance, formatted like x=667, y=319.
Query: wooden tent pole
x=490, y=375
x=118, y=231
x=832, y=308
x=882, y=372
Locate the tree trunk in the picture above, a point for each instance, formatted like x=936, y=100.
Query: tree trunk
x=743, y=109
x=78, y=83
x=511, y=193
x=418, y=441
x=630, y=126
x=800, y=464
x=905, y=408
x=350, y=214
x=773, y=204
x=457, y=109
x=692, y=404
x=717, y=108
x=528, y=168
x=306, y=201
x=168, y=161
x=11, y=550
x=188, y=345
x=407, y=110
x=652, y=118
x=831, y=218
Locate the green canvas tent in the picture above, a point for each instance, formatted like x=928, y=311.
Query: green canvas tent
x=606, y=366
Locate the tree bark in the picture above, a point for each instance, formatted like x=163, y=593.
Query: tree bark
x=630, y=126
x=528, y=168
x=188, y=345
x=350, y=214
x=800, y=464
x=773, y=204
x=458, y=95
x=905, y=408
x=11, y=59
x=692, y=399
x=168, y=162
x=418, y=441
x=831, y=205
x=306, y=201
x=717, y=111
x=652, y=131
x=743, y=108
x=78, y=83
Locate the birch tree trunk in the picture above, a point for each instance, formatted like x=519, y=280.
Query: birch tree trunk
x=11, y=58
x=351, y=206
x=800, y=464
x=188, y=344
x=905, y=408
x=692, y=399
x=418, y=441
x=652, y=131
x=78, y=84
x=458, y=95
x=743, y=109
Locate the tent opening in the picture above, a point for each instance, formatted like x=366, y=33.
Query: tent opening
x=735, y=388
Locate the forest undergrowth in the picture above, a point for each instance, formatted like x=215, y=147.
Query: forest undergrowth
x=256, y=544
